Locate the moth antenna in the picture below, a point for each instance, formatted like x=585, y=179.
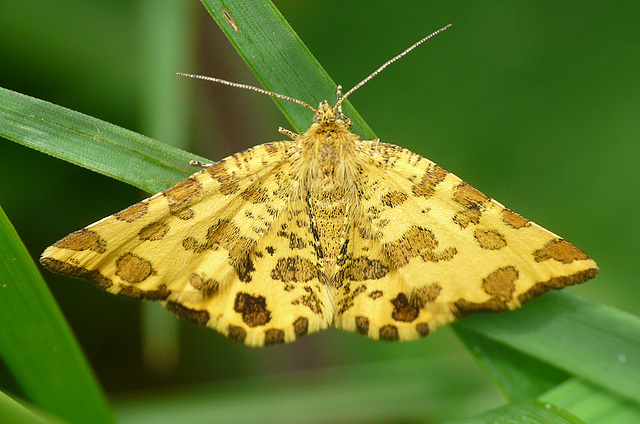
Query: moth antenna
x=387, y=63
x=249, y=87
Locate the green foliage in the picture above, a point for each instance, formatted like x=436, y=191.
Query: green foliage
x=36, y=343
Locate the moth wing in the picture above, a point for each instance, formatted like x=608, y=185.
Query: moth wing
x=430, y=248
x=280, y=297
x=287, y=275
x=193, y=246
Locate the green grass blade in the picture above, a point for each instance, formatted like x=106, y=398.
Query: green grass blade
x=14, y=412
x=593, y=404
x=279, y=59
x=518, y=375
x=36, y=342
x=595, y=342
x=523, y=413
x=92, y=143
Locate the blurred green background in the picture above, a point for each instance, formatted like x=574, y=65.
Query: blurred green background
x=535, y=104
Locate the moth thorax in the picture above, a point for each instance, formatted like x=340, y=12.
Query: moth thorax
x=332, y=180
x=327, y=165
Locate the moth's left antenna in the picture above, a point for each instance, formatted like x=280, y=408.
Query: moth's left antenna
x=249, y=87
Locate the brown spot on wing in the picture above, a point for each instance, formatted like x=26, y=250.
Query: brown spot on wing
x=181, y=196
x=133, y=269
x=409, y=245
x=490, y=239
x=295, y=242
x=83, y=240
x=501, y=283
x=226, y=235
x=207, y=286
x=423, y=329
x=240, y=256
x=237, y=333
x=560, y=250
x=363, y=268
x=464, y=307
x=557, y=283
x=255, y=195
x=133, y=212
x=348, y=297
x=310, y=300
x=466, y=217
x=425, y=294
x=193, y=315
x=301, y=326
x=222, y=233
x=273, y=336
x=362, y=325
x=253, y=309
x=446, y=255
x=376, y=294
x=393, y=198
x=474, y=203
x=470, y=197
x=78, y=272
x=154, y=231
x=431, y=178
x=160, y=293
x=403, y=310
x=295, y=268
x=389, y=333
x=513, y=219
x=271, y=149
x=228, y=184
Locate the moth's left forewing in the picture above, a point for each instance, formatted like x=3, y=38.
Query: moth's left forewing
x=188, y=244
x=147, y=244
x=449, y=249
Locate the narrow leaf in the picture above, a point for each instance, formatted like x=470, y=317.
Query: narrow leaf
x=523, y=413
x=278, y=57
x=518, y=375
x=92, y=143
x=592, y=403
x=595, y=342
x=12, y=411
x=36, y=342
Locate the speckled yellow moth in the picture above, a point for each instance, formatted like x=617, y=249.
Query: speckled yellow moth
x=290, y=237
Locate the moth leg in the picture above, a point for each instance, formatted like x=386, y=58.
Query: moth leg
x=198, y=163
x=288, y=133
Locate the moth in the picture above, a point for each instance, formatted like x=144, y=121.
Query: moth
x=290, y=237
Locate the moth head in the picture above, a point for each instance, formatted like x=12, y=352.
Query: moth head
x=326, y=114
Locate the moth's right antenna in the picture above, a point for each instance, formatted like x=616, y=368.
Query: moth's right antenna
x=387, y=63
